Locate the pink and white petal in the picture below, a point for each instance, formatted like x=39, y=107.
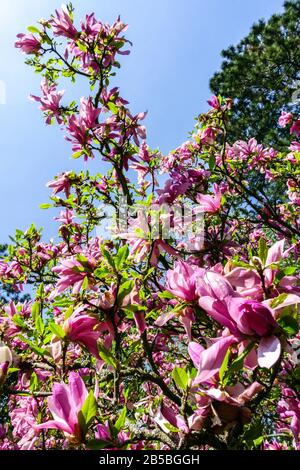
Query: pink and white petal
x=268, y=351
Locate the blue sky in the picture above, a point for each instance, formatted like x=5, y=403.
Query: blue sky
x=176, y=49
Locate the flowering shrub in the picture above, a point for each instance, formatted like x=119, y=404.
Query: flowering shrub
x=136, y=341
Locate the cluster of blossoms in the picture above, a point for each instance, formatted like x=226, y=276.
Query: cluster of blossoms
x=138, y=341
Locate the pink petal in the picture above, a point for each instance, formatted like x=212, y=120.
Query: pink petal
x=195, y=351
x=212, y=358
x=78, y=390
x=275, y=252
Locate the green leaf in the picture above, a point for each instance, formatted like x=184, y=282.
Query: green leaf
x=258, y=441
x=121, y=256
x=97, y=444
x=57, y=330
x=45, y=206
x=11, y=370
x=224, y=365
x=35, y=310
x=278, y=300
x=68, y=312
x=171, y=428
x=180, y=377
x=17, y=319
x=88, y=412
x=166, y=295
x=39, y=351
x=107, y=356
x=77, y=154
x=124, y=290
x=238, y=363
x=289, y=324
x=107, y=256
x=85, y=283
x=113, y=108
x=33, y=29
x=262, y=250
x=39, y=325
x=212, y=162
x=34, y=382
x=119, y=424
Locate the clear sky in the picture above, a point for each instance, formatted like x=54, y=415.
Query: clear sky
x=176, y=49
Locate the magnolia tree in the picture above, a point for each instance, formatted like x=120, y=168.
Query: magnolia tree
x=177, y=328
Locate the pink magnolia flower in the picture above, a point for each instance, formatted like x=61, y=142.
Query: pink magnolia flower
x=210, y=203
x=28, y=43
x=248, y=282
x=61, y=183
x=66, y=216
x=295, y=128
x=50, y=101
x=285, y=119
x=91, y=26
x=65, y=404
x=166, y=415
x=103, y=433
x=289, y=411
x=23, y=415
x=139, y=316
x=208, y=361
x=88, y=113
x=62, y=24
x=252, y=317
x=79, y=135
x=207, y=136
x=214, y=102
x=83, y=329
x=71, y=274
x=242, y=317
x=181, y=281
x=295, y=146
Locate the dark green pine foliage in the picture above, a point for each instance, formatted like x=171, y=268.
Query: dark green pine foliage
x=261, y=74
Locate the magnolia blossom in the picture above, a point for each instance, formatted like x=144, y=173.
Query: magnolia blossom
x=84, y=330
x=295, y=128
x=88, y=113
x=79, y=126
x=65, y=404
x=28, y=43
x=285, y=119
x=50, y=101
x=62, y=25
x=61, y=183
x=242, y=317
x=211, y=203
x=72, y=274
x=181, y=281
x=208, y=361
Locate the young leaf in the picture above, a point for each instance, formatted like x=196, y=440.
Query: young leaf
x=33, y=29
x=57, y=330
x=107, y=356
x=119, y=424
x=124, y=290
x=88, y=412
x=262, y=250
x=121, y=256
x=224, y=365
x=35, y=310
x=180, y=377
